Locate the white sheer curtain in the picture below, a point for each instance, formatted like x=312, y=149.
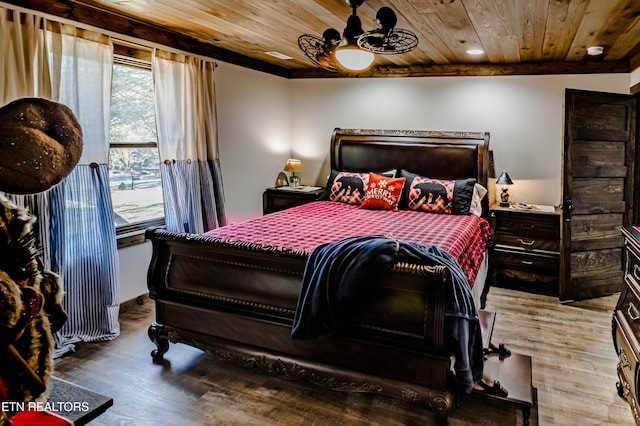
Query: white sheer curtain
x=25, y=68
x=71, y=66
x=187, y=139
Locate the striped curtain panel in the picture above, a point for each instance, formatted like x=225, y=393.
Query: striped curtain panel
x=191, y=192
x=187, y=141
x=90, y=267
x=83, y=218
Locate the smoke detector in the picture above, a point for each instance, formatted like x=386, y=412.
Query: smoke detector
x=595, y=50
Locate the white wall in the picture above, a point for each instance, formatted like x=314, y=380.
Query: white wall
x=254, y=127
x=524, y=115
x=134, y=262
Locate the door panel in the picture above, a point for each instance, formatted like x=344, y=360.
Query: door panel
x=597, y=271
x=595, y=158
x=599, y=158
x=599, y=231
x=598, y=195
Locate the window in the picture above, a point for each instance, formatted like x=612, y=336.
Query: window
x=134, y=163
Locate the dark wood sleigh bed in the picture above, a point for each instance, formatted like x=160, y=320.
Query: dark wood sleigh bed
x=237, y=301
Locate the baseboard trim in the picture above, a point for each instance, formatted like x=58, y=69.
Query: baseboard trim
x=132, y=303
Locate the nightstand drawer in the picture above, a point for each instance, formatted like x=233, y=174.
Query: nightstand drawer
x=274, y=200
x=538, y=226
x=283, y=202
x=528, y=242
x=526, y=261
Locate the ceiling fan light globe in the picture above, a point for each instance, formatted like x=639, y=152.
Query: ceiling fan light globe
x=354, y=59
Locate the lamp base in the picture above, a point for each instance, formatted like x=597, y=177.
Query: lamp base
x=504, y=197
x=294, y=181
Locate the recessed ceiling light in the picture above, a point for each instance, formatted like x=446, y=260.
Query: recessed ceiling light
x=475, y=52
x=595, y=50
x=279, y=55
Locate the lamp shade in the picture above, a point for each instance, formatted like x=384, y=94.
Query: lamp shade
x=293, y=165
x=504, y=179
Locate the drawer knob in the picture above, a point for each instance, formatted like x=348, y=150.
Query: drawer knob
x=526, y=243
x=633, y=312
x=527, y=262
x=527, y=226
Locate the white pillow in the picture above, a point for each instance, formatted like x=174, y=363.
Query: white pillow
x=479, y=192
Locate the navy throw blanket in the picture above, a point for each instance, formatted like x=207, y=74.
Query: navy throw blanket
x=336, y=277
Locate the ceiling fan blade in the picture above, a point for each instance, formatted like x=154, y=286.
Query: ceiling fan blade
x=393, y=42
x=318, y=51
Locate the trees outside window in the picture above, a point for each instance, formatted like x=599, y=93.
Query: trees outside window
x=134, y=165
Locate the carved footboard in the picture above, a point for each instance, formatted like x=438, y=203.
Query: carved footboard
x=237, y=303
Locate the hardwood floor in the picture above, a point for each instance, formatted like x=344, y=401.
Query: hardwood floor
x=574, y=371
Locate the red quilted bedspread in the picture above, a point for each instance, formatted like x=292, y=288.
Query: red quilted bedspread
x=307, y=226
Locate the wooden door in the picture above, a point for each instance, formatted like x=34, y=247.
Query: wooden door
x=599, y=158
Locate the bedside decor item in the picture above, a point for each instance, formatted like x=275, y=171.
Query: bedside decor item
x=355, y=50
x=504, y=180
x=294, y=166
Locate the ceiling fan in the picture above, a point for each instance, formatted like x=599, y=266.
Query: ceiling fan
x=355, y=49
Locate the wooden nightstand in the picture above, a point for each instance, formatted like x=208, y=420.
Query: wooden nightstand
x=525, y=246
x=275, y=199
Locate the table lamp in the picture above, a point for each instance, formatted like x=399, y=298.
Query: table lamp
x=505, y=181
x=294, y=166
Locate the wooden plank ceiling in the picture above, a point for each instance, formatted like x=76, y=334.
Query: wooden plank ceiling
x=518, y=36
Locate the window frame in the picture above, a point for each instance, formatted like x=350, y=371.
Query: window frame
x=128, y=54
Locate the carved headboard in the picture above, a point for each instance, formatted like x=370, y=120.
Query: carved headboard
x=435, y=154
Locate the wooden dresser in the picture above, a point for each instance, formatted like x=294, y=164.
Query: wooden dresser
x=626, y=323
x=525, y=247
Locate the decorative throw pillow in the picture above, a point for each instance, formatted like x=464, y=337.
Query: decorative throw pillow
x=479, y=192
x=348, y=187
x=382, y=193
x=437, y=195
x=430, y=195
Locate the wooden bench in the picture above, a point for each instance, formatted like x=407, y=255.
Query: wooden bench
x=504, y=372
